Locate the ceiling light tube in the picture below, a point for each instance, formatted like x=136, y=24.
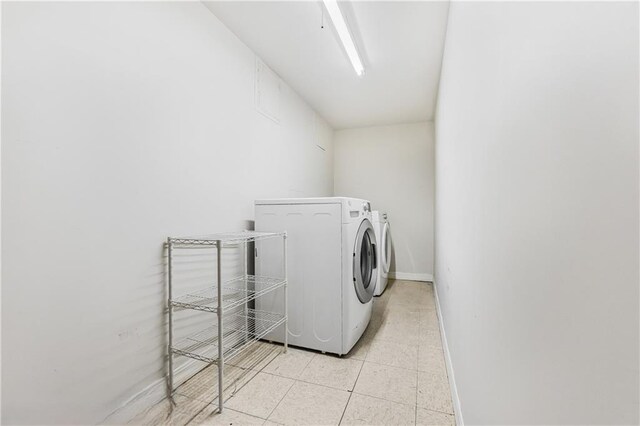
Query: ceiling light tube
x=343, y=32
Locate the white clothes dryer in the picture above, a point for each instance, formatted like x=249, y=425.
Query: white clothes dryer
x=331, y=268
x=383, y=238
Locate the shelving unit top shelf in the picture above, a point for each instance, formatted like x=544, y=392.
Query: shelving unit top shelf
x=225, y=238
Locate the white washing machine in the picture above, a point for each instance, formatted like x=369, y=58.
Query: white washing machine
x=383, y=239
x=331, y=267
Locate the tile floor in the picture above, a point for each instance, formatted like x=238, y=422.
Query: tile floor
x=395, y=375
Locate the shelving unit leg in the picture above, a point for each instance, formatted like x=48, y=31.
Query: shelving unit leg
x=220, y=330
x=170, y=307
x=245, y=248
x=286, y=307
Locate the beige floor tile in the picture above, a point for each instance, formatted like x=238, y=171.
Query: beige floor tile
x=359, y=351
x=210, y=416
x=393, y=354
x=400, y=315
x=380, y=303
x=429, y=329
x=290, y=364
x=399, y=308
x=403, y=286
x=366, y=410
x=164, y=414
x=429, y=320
x=433, y=392
x=430, y=304
x=377, y=316
x=384, y=297
x=401, y=331
x=412, y=283
x=390, y=283
x=261, y=395
x=430, y=338
x=372, y=329
x=390, y=383
x=197, y=387
x=431, y=359
x=257, y=356
x=411, y=302
x=412, y=294
x=153, y=415
x=308, y=404
x=332, y=371
x=434, y=418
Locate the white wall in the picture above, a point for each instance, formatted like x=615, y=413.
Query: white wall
x=392, y=166
x=124, y=123
x=537, y=211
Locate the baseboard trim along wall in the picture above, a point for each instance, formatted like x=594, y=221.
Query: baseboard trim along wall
x=410, y=276
x=447, y=357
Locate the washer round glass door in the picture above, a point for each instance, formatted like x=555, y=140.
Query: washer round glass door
x=365, y=262
x=386, y=248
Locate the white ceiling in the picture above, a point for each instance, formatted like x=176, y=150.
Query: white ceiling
x=400, y=43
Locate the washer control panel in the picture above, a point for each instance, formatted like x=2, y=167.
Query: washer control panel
x=356, y=208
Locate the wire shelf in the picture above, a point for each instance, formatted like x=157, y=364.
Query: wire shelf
x=225, y=238
x=235, y=292
x=240, y=331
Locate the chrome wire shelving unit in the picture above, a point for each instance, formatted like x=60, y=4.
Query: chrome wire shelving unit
x=238, y=326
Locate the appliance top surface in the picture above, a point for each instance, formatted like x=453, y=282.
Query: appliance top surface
x=316, y=200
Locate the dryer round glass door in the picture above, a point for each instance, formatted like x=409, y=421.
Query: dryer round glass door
x=365, y=262
x=386, y=248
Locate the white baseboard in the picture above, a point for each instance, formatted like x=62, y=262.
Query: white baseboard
x=447, y=356
x=151, y=395
x=410, y=276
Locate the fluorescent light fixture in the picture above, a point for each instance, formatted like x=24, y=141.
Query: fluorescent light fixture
x=341, y=27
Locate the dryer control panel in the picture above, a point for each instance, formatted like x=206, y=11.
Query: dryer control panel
x=357, y=208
